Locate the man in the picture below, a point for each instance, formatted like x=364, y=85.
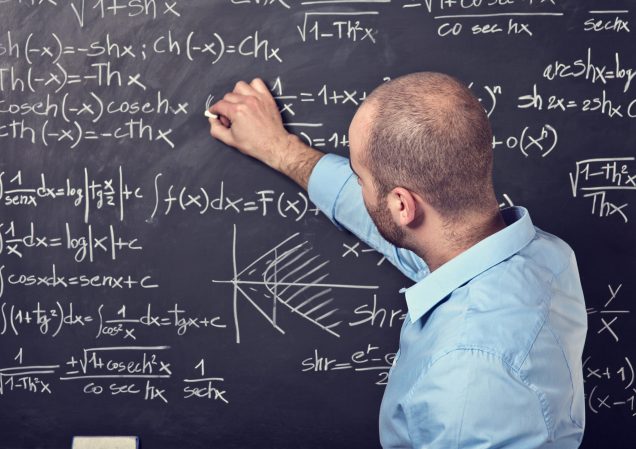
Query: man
x=490, y=352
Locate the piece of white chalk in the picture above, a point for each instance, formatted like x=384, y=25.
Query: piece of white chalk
x=210, y=115
x=105, y=442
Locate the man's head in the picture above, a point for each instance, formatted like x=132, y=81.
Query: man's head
x=422, y=143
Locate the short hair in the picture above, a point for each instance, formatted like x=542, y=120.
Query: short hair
x=431, y=135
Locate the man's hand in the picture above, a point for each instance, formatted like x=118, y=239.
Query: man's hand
x=249, y=120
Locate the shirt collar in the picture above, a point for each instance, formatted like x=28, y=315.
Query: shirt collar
x=435, y=286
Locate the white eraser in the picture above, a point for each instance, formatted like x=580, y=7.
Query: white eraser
x=100, y=442
x=210, y=115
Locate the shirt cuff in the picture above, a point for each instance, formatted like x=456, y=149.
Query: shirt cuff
x=326, y=181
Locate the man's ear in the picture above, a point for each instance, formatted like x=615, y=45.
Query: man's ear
x=403, y=206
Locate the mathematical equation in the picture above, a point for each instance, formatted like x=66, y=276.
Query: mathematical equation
x=371, y=358
x=119, y=371
x=596, y=178
x=122, y=323
x=326, y=20
x=114, y=193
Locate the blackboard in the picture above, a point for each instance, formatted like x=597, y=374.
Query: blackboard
x=134, y=247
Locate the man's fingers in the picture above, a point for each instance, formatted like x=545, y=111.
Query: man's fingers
x=224, y=108
x=219, y=131
x=233, y=97
x=224, y=120
x=243, y=88
x=259, y=86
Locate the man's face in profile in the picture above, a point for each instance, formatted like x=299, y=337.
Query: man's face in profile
x=376, y=206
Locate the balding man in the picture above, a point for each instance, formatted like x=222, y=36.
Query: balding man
x=490, y=352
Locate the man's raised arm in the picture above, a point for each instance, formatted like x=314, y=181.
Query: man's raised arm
x=249, y=120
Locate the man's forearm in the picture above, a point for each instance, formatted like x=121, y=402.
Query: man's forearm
x=298, y=160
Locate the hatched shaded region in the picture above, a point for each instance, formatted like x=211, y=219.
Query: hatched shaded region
x=291, y=278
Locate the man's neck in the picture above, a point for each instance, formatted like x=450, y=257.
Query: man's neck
x=445, y=244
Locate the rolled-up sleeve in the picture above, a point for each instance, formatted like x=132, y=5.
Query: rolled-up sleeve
x=334, y=189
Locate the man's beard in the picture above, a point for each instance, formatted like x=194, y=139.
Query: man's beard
x=387, y=228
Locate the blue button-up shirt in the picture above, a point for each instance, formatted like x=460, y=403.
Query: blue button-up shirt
x=490, y=352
